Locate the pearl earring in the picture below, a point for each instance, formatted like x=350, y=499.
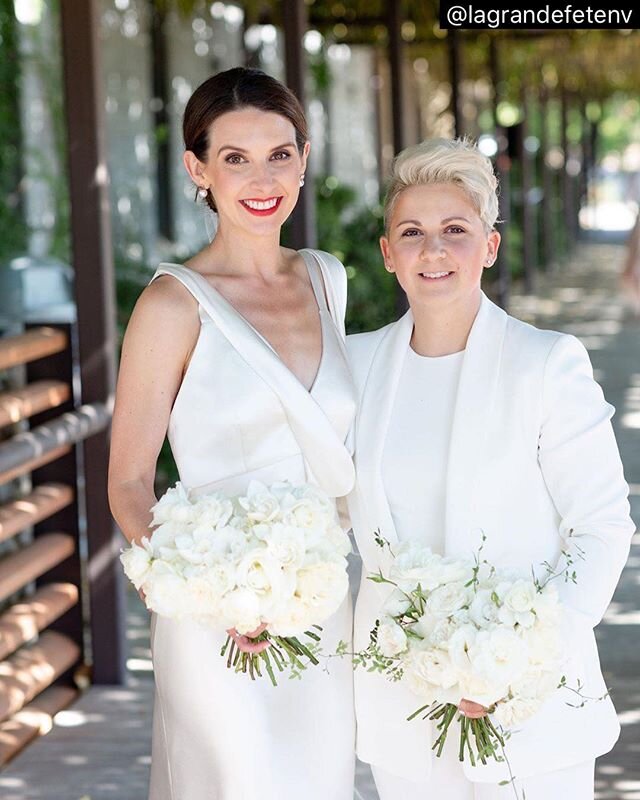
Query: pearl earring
x=202, y=192
x=302, y=180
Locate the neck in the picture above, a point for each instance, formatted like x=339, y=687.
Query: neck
x=443, y=330
x=237, y=252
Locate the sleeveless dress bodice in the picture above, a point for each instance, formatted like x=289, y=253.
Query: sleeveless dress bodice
x=241, y=415
x=229, y=423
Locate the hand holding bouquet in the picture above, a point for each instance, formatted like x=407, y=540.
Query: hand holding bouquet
x=274, y=558
x=456, y=629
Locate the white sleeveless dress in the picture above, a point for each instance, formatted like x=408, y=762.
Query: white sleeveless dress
x=240, y=414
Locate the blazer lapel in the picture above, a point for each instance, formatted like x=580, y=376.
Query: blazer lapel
x=371, y=432
x=325, y=453
x=469, y=437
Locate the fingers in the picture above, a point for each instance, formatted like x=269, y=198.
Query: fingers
x=244, y=643
x=472, y=710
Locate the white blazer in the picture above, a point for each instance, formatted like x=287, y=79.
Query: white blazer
x=533, y=464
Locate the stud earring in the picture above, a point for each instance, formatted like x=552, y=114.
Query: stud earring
x=202, y=192
x=302, y=180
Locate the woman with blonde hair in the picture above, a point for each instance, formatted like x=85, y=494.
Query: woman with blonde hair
x=473, y=422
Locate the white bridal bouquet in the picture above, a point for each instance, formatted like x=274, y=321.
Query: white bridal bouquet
x=456, y=629
x=275, y=555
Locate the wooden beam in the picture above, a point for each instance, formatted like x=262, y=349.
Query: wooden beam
x=25, y=565
x=42, y=502
x=34, y=344
x=24, y=620
x=35, y=719
x=34, y=668
x=503, y=172
x=21, y=404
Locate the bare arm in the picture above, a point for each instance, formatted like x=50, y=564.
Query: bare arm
x=159, y=339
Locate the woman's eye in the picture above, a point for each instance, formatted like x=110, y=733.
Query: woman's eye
x=281, y=155
x=455, y=229
x=411, y=232
x=234, y=158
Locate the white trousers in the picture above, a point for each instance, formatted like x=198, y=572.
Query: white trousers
x=448, y=781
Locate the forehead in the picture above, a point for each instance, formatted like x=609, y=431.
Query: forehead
x=435, y=200
x=249, y=127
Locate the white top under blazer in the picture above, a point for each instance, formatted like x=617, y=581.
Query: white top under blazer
x=533, y=464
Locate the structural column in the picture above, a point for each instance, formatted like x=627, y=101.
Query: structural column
x=94, y=287
x=303, y=219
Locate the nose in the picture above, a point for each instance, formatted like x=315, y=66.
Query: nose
x=432, y=249
x=262, y=175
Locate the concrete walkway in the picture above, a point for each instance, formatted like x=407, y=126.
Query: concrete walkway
x=99, y=749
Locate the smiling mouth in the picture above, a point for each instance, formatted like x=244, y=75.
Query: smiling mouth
x=262, y=208
x=435, y=276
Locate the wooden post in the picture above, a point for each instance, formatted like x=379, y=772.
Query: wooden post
x=398, y=100
x=303, y=219
x=568, y=205
x=94, y=287
x=528, y=240
x=455, y=70
x=503, y=167
x=548, y=199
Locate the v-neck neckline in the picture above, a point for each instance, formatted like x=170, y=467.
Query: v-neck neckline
x=317, y=290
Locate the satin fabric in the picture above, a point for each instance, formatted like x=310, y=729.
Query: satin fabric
x=240, y=414
x=533, y=464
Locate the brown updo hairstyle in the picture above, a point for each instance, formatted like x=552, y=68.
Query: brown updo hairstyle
x=230, y=91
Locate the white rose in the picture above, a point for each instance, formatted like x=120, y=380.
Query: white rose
x=396, y=604
x=518, y=603
x=392, y=640
x=136, y=561
x=513, y=711
x=499, y=655
x=544, y=644
x=547, y=606
x=460, y=644
x=242, y=610
x=323, y=586
x=415, y=565
x=259, y=572
x=483, y=609
x=455, y=570
x=198, y=546
x=166, y=591
x=448, y=599
x=292, y=619
x=431, y=665
x=173, y=506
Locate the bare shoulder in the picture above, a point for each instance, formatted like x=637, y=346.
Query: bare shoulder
x=166, y=313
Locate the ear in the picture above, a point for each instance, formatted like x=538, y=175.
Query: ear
x=386, y=254
x=493, y=245
x=305, y=155
x=194, y=167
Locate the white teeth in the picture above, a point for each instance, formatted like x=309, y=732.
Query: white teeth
x=434, y=274
x=260, y=205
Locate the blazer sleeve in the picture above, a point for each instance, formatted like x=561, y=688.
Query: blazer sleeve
x=579, y=459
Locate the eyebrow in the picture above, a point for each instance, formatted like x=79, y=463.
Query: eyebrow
x=442, y=222
x=240, y=149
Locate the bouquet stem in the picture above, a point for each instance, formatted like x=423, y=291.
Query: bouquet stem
x=285, y=652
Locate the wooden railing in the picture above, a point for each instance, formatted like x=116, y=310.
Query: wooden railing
x=41, y=567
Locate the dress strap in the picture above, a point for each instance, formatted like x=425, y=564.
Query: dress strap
x=334, y=278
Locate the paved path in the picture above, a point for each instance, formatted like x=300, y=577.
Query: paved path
x=99, y=749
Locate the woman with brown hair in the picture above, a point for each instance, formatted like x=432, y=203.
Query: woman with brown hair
x=238, y=355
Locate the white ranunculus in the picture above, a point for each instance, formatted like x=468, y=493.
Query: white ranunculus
x=448, y=599
x=173, y=506
x=499, y=655
x=392, y=640
x=136, y=560
x=483, y=610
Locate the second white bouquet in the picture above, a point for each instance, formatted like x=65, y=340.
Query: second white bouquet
x=275, y=555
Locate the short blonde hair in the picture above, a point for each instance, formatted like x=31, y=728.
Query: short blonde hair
x=456, y=161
